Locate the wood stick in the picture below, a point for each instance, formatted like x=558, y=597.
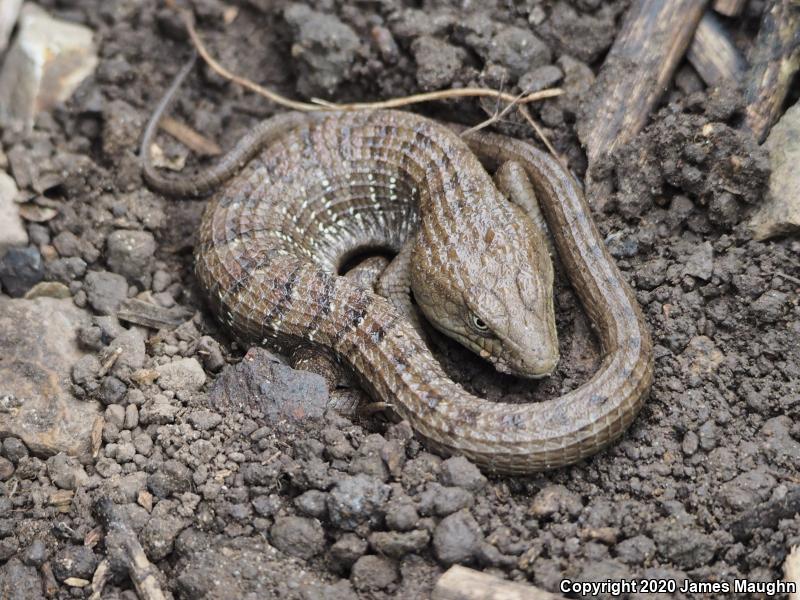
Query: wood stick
x=652, y=41
x=460, y=583
x=713, y=54
x=730, y=8
x=774, y=61
x=123, y=543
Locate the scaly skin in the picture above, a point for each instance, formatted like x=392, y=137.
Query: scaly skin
x=314, y=189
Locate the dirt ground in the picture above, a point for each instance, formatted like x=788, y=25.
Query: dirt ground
x=704, y=485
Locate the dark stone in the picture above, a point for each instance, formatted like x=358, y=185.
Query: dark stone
x=20, y=270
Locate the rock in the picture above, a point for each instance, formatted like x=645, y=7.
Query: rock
x=262, y=385
x=129, y=349
x=637, y=550
x=767, y=514
x=460, y=472
x=438, y=62
x=519, y=50
x=357, y=500
x=14, y=450
x=105, y=291
x=74, y=561
x=38, y=346
x=373, y=573
x=746, y=491
x=204, y=419
x=298, y=536
x=540, y=78
x=682, y=543
x=555, y=499
x=130, y=253
x=700, y=263
x=20, y=269
x=65, y=270
x=396, y=544
x=770, y=306
x=172, y=478
x=457, y=538
x=443, y=501
x=324, y=48
x=185, y=375
x=12, y=229
x=583, y=36
x=158, y=536
x=347, y=550
x=780, y=212
x=36, y=553
x=47, y=61
x=312, y=503
x=6, y=468
x=401, y=515
x=701, y=356
x=65, y=471
x=20, y=582
x=245, y=567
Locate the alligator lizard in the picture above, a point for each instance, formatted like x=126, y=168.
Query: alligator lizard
x=303, y=192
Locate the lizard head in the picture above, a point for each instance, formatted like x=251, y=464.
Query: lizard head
x=492, y=291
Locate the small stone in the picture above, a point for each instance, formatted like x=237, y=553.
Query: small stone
x=324, y=49
x=780, y=212
x=47, y=61
x=20, y=269
x=357, y=500
x=173, y=478
x=460, y=472
x=204, y=420
x=312, y=503
x=36, y=553
x=12, y=229
x=690, y=443
x=65, y=471
x=519, y=50
x=41, y=336
x=457, y=538
x=636, y=550
x=401, y=515
x=74, y=561
x=438, y=63
x=6, y=468
x=158, y=536
x=700, y=263
x=372, y=572
x=131, y=420
x=347, y=550
x=66, y=270
x=298, y=536
x=14, y=449
x=115, y=414
x=130, y=253
x=746, y=491
x=396, y=544
x=210, y=353
x=143, y=443
x=185, y=374
x=263, y=384
x=267, y=506
x=19, y=582
x=540, y=78
x=443, y=501
x=707, y=435
x=770, y=306
x=105, y=291
x=555, y=499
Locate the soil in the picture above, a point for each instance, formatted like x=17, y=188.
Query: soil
x=230, y=503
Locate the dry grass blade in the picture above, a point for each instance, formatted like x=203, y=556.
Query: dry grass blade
x=318, y=104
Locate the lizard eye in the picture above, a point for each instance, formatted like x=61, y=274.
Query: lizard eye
x=479, y=324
